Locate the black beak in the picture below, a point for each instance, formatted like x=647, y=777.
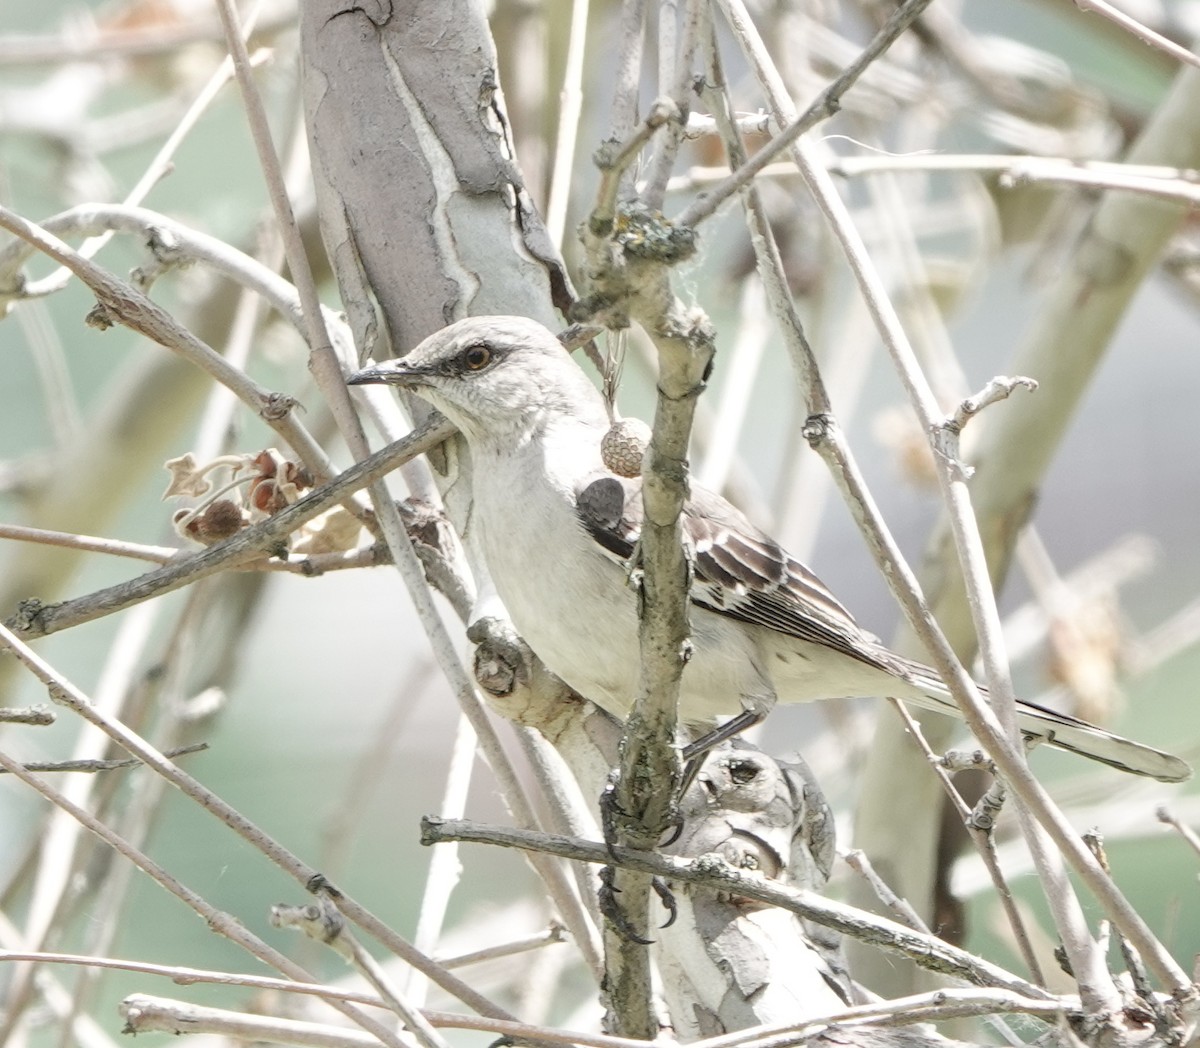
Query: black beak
x=393, y=373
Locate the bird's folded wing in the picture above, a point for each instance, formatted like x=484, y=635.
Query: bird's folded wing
x=738, y=570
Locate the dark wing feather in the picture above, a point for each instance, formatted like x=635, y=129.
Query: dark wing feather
x=611, y=514
x=739, y=571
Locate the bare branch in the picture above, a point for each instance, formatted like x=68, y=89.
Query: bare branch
x=123, y=303
x=1137, y=29
x=222, y=923
x=711, y=872
x=36, y=716
x=63, y=692
x=93, y=766
x=322, y=921
x=824, y=107
x=260, y=540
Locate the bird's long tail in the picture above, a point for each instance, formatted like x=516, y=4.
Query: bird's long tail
x=1057, y=729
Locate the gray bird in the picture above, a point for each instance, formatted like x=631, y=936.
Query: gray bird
x=557, y=528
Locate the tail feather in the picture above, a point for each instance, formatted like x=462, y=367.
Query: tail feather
x=1060, y=730
x=1088, y=740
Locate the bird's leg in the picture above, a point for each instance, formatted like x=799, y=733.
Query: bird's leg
x=695, y=752
x=744, y=721
x=610, y=812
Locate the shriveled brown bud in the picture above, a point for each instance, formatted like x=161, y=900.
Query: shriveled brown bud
x=218, y=521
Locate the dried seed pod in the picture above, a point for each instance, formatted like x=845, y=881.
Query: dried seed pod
x=624, y=446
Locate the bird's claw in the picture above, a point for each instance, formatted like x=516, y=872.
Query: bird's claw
x=676, y=831
x=667, y=898
x=612, y=911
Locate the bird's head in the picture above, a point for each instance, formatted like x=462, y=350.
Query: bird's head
x=493, y=377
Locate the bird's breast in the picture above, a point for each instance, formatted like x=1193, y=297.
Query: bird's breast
x=571, y=601
x=566, y=597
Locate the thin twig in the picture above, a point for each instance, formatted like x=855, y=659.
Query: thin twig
x=90, y=543
x=264, y=539
x=824, y=107
x=309, y=565
x=92, y=766
x=58, y=1001
x=35, y=716
x=185, y=976
x=556, y=933
x=1011, y=172
x=901, y=1011
x=1186, y=832
x=628, y=64
x=323, y=922
x=713, y=873
x=1137, y=29
x=169, y=239
x=222, y=923
x=1097, y=989
x=145, y=1014
x=63, y=692
x=570, y=103
x=121, y=302
x=675, y=59
x=445, y=870
x=984, y=842
x=857, y=860
x=997, y=389
x=613, y=161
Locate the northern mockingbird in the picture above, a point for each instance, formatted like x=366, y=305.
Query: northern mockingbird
x=557, y=528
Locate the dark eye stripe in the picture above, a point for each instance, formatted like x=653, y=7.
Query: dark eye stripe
x=472, y=359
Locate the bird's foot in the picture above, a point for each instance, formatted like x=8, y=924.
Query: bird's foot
x=611, y=814
x=667, y=898
x=616, y=822
x=612, y=909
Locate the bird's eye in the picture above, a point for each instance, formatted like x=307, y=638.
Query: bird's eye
x=476, y=357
